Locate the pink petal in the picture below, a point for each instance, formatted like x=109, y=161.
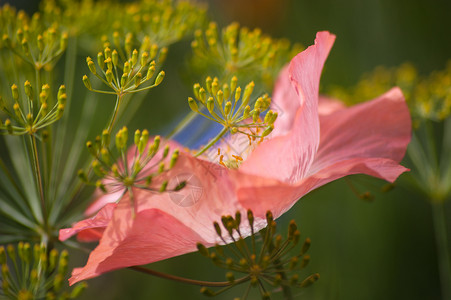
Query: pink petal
x=284, y=101
x=138, y=240
x=295, y=151
x=370, y=138
x=166, y=224
x=99, y=221
x=376, y=129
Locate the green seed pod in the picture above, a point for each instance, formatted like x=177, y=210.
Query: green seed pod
x=87, y=82
x=92, y=67
x=101, y=60
x=106, y=138
x=144, y=58
x=107, y=53
x=63, y=41
x=143, y=140
x=247, y=92
x=109, y=76
x=220, y=96
x=196, y=88
x=138, y=79
x=227, y=108
x=28, y=90
x=210, y=104
x=159, y=78
x=124, y=79
x=109, y=63
x=2, y=255
x=193, y=105
x=208, y=82
x=137, y=137
x=15, y=91
x=202, y=250
x=150, y=72
x=134, y=57
x=214, y=87
x=233, y=83
x=202, y=95
x=163, y=186
x=174, y=158
x=127, y=67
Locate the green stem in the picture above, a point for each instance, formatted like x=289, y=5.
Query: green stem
x=38, y=177
x=438, y=214
x=115, y=112
x=186, y=280
x=212, y=142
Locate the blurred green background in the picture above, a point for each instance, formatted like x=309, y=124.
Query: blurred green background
x=383, y=249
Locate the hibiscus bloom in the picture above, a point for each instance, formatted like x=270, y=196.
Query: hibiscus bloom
x=314, y=142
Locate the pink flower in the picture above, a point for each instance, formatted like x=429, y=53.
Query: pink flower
x=313, y=143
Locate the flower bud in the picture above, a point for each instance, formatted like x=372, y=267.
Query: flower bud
x=92, y=67
x=233, y=83
x=174, y=158
x=109, y=76
x=227, y=108
x=150, y=72
x=159, y=78
x=144, y=58
x=138, y=78
x=87, y=82
x=101, y=60
x=193, y=105
x=107, y=53
x=28, y=90
x=15, y=92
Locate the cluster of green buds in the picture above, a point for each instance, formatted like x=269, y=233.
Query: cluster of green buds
x=125, y=68
x=30, y=39
x=31, y=113
x=229, y=106
x=267, y=265
x=33, y=272
x=122, y=169
x=166, y=21
x=241, y=51
x=428, y=97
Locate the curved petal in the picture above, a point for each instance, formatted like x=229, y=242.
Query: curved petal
x=370, y=138
x=376, y=129
x=165, y=224
x=137, y=240
x=296, y=150
x=284, y=101
x=99, y=221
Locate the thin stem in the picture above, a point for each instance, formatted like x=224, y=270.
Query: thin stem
x=115, y=112
x=38, y=177
x=212, y=142
x=186, y=280
x=438, y=214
